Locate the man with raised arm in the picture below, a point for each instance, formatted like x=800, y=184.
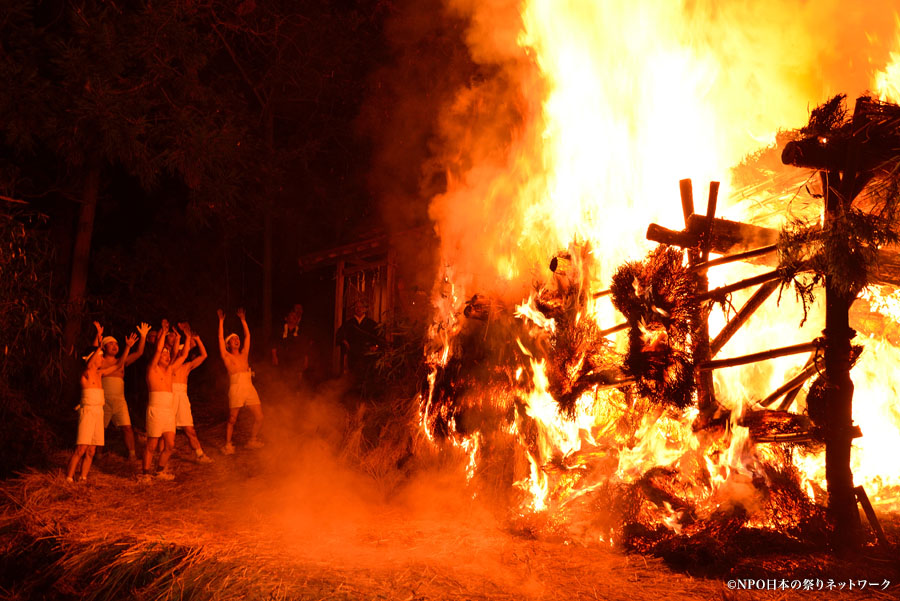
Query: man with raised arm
x=90, y=412
x=115, y=408
x=161, y=408
x=183, y=417
x=241, y=392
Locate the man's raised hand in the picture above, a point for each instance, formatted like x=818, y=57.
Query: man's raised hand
x=185, y=327
x=130, y=340
x=241, y=314
x=143, y=329
x=221, y=314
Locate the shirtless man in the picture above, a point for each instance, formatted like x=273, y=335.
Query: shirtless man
x=161, y=408
x=241, y=392
x=90, y=412
x=115, y=408
x=183, y=417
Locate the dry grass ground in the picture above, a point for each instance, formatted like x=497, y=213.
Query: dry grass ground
x=293, y=521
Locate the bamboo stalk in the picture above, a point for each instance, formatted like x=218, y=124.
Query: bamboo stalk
x=602, y=293
x=789, y=398
x=614, y=329
x=750, y=254
x=863, y=500
x=761, y=356
x=736, y=322
x=792, y=394
x=747, y=283
x=792, y=384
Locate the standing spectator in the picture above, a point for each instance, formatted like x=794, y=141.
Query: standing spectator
x=290, y=354
x=359, y=339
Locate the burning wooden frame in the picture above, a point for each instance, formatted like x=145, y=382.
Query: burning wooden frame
x=667, y=370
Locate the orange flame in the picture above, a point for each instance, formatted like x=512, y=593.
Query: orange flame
x=594, y=112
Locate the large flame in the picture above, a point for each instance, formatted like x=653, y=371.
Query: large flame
x=592, y=112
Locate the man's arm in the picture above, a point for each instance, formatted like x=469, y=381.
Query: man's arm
x=222, y=350
x=196, y=361
x=182, y=355
x=99, y=335
x=129, y=342
x=243, y=317
x=142, y=330
x=160, y=341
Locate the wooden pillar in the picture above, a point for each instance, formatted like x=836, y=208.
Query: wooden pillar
x=842, y=511
x=706, y=394
x=706, y=400
x=338, y=316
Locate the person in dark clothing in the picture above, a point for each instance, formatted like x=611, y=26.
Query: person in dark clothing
x=359, y=338
x=290, y=353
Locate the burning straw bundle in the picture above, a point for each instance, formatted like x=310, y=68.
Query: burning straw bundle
x=847, y=248
x=659, y=297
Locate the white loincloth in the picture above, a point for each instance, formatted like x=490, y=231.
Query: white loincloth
x=160, y=414
x=183, y=417
x=116, y=407
x=90, y=417
x=241, y=391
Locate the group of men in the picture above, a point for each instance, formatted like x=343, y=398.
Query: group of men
x=103, y=395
